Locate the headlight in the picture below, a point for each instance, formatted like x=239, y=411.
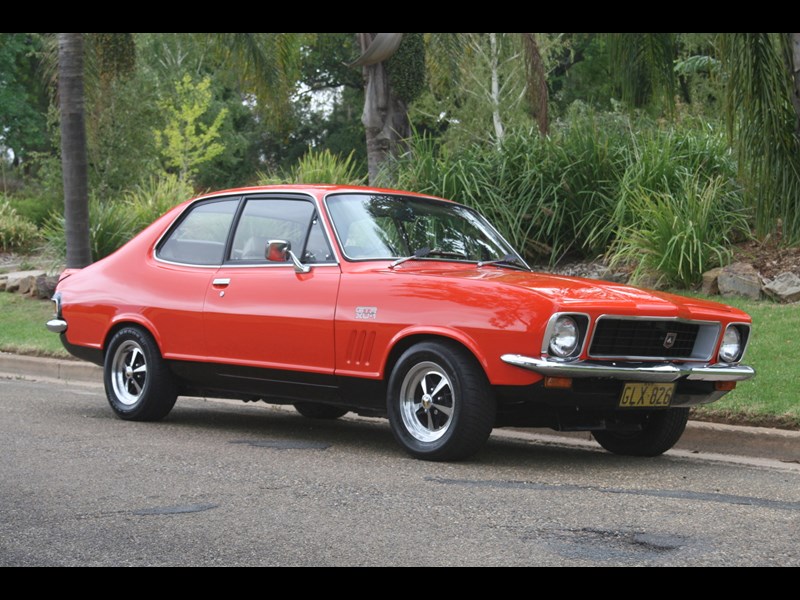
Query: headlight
x=565, y=338
x=731, y=349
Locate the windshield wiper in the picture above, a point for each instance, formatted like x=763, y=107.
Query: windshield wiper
x=421, y=253
x=509, y=260
x=426, y=252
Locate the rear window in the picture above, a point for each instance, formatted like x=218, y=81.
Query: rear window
x=201, y=236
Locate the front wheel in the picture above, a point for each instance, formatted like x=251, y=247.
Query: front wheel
x=139, y=386
x=660, y=432
x=440, y=404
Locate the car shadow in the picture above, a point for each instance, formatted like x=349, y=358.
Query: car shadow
x=267, y=426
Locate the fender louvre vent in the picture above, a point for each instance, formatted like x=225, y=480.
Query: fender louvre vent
x=359, y=348
x=642, y=338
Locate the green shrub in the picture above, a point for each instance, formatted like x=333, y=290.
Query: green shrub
x=113, y=223
x=156, y=196
x=676, y=237
x=318, y=168
x=36, y=209
x=17, y=234
x=110, y=227
x=568, y=194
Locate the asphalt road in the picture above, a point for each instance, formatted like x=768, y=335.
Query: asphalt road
x=231, y=484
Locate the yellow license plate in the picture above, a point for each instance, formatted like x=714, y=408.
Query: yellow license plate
x=647, y=395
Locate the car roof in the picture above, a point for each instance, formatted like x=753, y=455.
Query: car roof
x=319, y=191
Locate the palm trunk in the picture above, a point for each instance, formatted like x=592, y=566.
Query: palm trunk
x=537, y=83
x=73, y=149
x=796, y=74
x=385, y=115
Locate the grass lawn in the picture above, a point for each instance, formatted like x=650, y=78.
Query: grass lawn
x=22, y=327
x=772, y=398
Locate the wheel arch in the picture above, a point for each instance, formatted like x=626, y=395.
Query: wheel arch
x=131, y=321
x=406, y=340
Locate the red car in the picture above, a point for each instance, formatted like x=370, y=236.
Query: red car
x=338, y=299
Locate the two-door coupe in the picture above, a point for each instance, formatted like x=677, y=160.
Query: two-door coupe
x=388, y=303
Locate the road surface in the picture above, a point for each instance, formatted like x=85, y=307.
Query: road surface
x=222, y=483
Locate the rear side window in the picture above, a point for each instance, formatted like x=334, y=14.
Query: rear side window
x=201, y=236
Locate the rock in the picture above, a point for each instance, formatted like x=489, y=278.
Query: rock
x=784, y=288
x=22, y=281
x=740, y=279
x=46, y=286
x=3, y=282
x=711, y=282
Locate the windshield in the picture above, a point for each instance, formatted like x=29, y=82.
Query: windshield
x=373, y=227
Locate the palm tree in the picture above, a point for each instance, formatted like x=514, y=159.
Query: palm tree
x=73, y=149
x=764, y=118
x=761, y=72
x=385, y=115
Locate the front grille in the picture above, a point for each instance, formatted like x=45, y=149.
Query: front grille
x=641, y=338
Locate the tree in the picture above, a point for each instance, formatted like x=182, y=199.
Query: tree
x=762, y=107
x=186, y=142
x=385, y=116
x=763, y=118
x=73, y=149
x=23, y=97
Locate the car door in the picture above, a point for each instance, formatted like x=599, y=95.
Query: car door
x=263, y=314
x=186, y=259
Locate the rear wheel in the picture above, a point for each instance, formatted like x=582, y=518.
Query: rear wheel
x=440, y=404
x=320, y=412
x=139, y=386
x=660, y=432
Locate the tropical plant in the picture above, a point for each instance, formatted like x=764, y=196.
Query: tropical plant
x=763, y=109
x=761, y=72
x=571, y=193
x=149, y=200
x=318, y=168
x=676, y=237
x=17, y=234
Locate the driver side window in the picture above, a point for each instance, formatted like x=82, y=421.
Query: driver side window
x=293, y=221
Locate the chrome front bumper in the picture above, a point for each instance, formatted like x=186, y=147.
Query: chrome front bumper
x=647, y=372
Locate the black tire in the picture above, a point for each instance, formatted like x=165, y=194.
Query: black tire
x=320, y=412
x=660, y=432
x=139, y=385
x=430, y=379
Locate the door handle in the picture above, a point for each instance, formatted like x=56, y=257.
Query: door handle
x=222, y=282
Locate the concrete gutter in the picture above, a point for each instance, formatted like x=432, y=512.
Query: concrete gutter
x=700, y=438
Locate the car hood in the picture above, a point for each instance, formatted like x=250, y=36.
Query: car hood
x=574, y=293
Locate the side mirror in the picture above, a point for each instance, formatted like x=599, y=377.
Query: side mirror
x=281, y=251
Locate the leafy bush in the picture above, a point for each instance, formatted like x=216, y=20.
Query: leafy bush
x=318, y=168
x=35, y=209
x=156, y=196
x=571, y=193
x=113, y=224
x=110, y=226
x=17, y=234
x=677, y=237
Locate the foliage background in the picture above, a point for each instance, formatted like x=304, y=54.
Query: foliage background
x=656, y=154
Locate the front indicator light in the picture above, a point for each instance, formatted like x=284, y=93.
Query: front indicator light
x=558, y=383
